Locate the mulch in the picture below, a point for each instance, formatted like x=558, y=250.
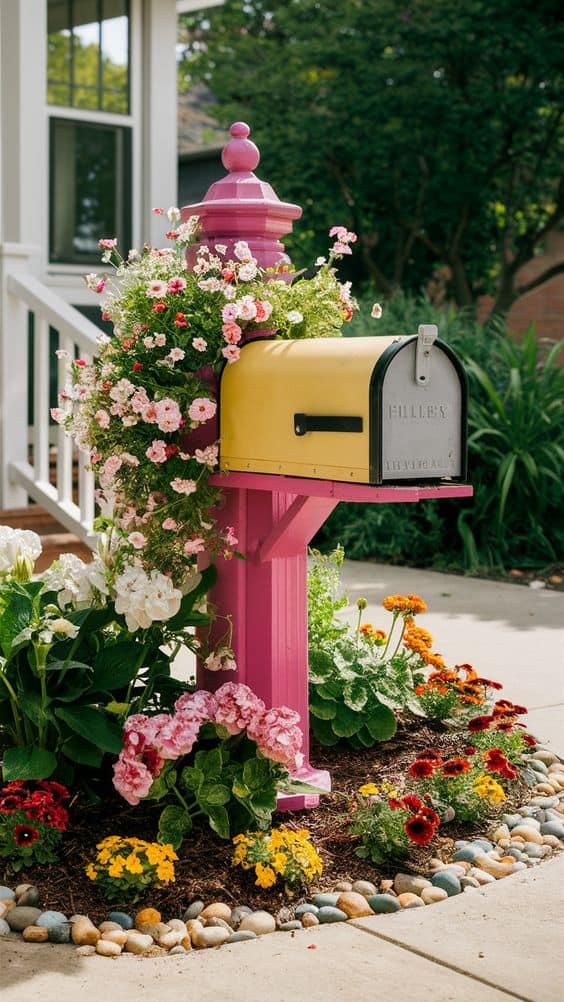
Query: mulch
x=204, y=868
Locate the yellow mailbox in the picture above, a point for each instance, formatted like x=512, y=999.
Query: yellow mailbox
x=366, y=410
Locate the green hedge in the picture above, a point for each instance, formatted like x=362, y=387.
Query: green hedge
x=516, y=456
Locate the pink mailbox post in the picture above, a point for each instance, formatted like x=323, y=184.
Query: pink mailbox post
x=275, y=516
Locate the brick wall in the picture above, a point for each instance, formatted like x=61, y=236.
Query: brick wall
x=543, y=306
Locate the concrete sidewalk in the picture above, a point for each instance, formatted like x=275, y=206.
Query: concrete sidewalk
x=503, y=941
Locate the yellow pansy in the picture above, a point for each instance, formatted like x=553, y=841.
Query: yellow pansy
x=368, y=790
x=133, y=863
x=266, y=877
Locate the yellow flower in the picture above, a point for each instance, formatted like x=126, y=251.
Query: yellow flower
x=133, y=863
x=266, y=877
x=91, y=871
x=165, y=872
x=368, y=790
x=116, y=869
x=279, y=861
x=154, y=853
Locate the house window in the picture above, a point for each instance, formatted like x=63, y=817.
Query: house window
x=88, y=54
x=90, y=194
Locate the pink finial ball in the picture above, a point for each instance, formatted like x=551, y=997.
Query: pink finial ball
x=240, y=154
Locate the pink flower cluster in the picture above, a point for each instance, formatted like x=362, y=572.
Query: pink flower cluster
x=344, y=238
x=150, y=741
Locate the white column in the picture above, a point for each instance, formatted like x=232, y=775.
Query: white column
x=23, y=124
x=14, y=259
x=159, y=178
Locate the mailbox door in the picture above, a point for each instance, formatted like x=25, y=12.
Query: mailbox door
x=418, y=432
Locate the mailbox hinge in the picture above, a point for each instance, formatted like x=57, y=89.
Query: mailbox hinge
x=427, y=334
x=318, y=422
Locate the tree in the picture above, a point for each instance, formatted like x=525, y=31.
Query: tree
x=434, y=130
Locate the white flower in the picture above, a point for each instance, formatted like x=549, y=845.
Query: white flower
x=145, y=598
x=294, y=316
x=320, y=261
x=246, y=308
x=248, y=271
x=222, y=660
x=173, y=214
x=242, y=251
x=210, y=284
x=221, y=248
x=19, y=549
x=376, y=311
x=76, y=583
x=63, y=626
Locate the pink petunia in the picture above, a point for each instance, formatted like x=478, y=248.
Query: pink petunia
x=278, y=736
x=137, y=540
x=229, y=313
x=231, y=353
x=168, y=415
x=156, y=289
x=193, y=546
x=237, y=707
x=199, y=344
x=201, y=705
x=232, y=333
x=183, y=486
x=176, y=284
x=103, y=418
x=264, y=309
x=170, y=524
x=132, y=779
x=157, y=451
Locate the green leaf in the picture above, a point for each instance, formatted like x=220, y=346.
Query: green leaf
x=67, y=666
x=191, y=778
x=382, y=723
x=214, y=794
x=30, y=762
x=346, y=722
x=210, y=762
x=325, y=709
x=162, y=783
x=323, y=732
x=83, y=752
x=116, y=666
x=256, y=773
x=219, y=820
x=355, y=695
x=297, y=786
x=15, y=616
x=174, y=824
x=263, y=805
x=30, y=702
x=93, y=724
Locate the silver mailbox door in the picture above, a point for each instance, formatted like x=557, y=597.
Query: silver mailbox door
x=421, y=425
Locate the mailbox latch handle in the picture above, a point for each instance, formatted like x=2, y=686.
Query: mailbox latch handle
x=427, y=334
x=325, y=422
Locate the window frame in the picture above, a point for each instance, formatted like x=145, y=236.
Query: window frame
x=133, y=121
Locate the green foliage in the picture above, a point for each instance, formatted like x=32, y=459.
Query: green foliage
x=354, y=688
x=516, y=430
x=67, y=681
x=40, y=845
x=227, y=781
x=435, y=132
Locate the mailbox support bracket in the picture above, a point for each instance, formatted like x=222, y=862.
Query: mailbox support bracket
x=296, y=528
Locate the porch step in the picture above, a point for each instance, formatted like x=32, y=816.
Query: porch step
x=55, y=539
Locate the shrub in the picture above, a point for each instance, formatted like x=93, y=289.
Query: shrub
x=389, y=825
x=32, y=822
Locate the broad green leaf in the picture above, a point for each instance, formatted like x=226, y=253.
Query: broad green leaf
x=256, y=773
x=116, y=666
x=93, y=724
x=83, y=752
x=219, y=820
x=382, y=723
x=346, y=722
x=323, y=732
x=209, y=762
x=15, y=616
x=355, y=695
x=174, y=824
x=162, y=783
x=325, y=709
x=191, y=778
x=297, y=786
x=66, y=666
x=30, y=704
x=214, y=794
x=30, y=762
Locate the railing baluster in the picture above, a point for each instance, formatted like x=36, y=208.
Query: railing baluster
x=64, y=443
x=41, y=399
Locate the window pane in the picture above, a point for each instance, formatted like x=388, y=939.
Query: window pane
x=90, y=189
x=58, y=94
x=88, y=47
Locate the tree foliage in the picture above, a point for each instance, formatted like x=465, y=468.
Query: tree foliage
x=432, y=129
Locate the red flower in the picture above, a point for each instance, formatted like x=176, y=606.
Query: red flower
x=25, y=834
x=431, y=754
x=455, y=767
x=171, y=234
x=508, y=772
x=137, y=366
x=422, y=767
x=12, y=801
x=495, y=755
x=419, y=829
x=413, y=804
x=59, y=791
x=470, y=750
x=504, y=726
x=488, y=682
x=529, y=739
x=181, y=320
x=430, y=815
x=479, y=724
x=395, y=803
x=158, y=307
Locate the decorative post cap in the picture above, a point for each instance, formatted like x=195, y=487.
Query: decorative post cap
x=240, y=153
x=242, y=207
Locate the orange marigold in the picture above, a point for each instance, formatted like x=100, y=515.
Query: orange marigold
x=407, y=605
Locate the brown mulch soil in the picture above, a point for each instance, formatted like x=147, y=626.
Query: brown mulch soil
x=204, y=868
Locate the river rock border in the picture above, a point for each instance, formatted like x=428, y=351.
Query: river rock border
x=521, y=840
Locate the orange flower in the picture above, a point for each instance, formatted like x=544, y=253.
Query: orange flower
x=407, y=605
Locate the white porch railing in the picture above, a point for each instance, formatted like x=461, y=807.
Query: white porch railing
x=26, y=457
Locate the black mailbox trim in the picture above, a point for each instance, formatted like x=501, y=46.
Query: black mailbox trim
x=303, y=423
x=376, y=411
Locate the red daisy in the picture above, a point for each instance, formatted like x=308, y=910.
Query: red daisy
x=419, y=829
x=25, y=834
x=529, y=739
x=394, y=803
x=508, y=772
x=479, y=724
x=455, y=767
x=422, y=767
x=431, y=754
x=470, y=750
x=430, y=815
